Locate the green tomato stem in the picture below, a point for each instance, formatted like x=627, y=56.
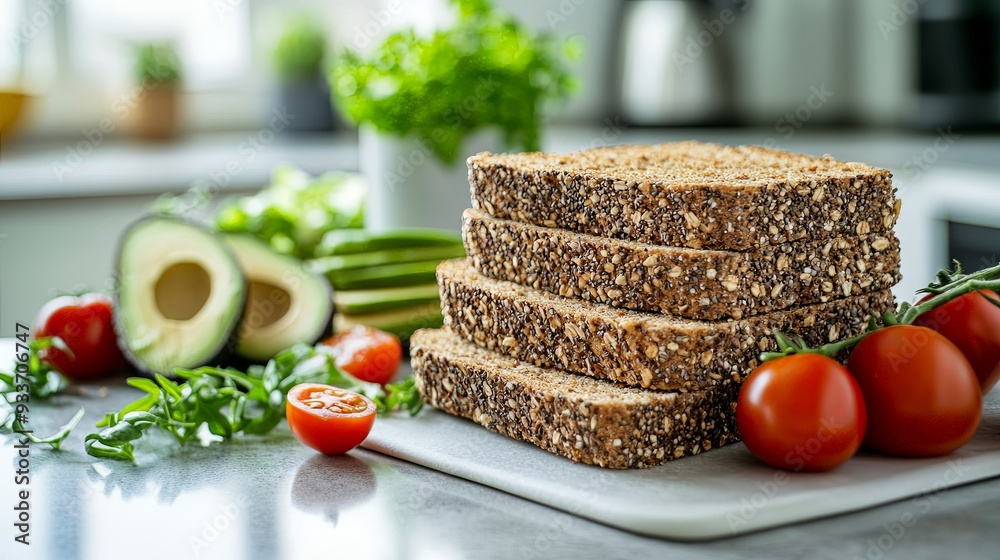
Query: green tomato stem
x=952, y=285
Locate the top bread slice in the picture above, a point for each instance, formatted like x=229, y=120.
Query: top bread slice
x=687, y=194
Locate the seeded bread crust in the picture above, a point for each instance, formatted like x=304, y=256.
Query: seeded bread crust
x=698, y=284
x=583, y=419
x=687, y=194
x=638, y=349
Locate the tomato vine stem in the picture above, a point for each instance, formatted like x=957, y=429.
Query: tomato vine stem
x=950, y=285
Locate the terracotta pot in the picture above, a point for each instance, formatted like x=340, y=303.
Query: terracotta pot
x=154, y=116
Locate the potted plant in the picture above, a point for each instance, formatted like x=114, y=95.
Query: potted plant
x=298, y=60
x=154, y=116
x=425, y=103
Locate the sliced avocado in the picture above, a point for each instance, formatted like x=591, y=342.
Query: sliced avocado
x=395, y=256
x=179, y=296
x=400, y=322
x=352, y=241
x=384, y=276
x=359, y=302
x=286, y=304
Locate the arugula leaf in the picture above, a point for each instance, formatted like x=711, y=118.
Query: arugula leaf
x=228, y=402
x=43, y=381
x=56, y=439
x=403, y=395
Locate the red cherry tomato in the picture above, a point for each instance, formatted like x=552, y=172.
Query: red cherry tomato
x=368, y=354
x=801, y=413
x=922, y=396
x=328, y=419
x=84, y=325
x=972, y=324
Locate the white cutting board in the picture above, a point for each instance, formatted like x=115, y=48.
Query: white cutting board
x=718, y=493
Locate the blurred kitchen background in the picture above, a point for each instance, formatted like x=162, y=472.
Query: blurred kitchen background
x=910, y=85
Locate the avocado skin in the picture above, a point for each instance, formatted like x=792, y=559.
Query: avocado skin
x=349, y=242
x=384, y=276
x=228, y=335
x=325, y=331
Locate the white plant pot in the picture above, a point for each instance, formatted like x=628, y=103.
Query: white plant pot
x=410, y=187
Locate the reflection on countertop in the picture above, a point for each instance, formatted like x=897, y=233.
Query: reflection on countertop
x=267, y=497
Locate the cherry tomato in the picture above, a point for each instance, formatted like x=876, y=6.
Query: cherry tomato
x=922, y=396
x=972, y=324
x=368, y=354
x=328, y=419
x=801, y=413
x=84, y=325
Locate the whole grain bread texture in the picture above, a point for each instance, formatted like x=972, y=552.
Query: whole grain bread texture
x=687, y=194
x=638, y=349
x=693, y=283
x=584, y=419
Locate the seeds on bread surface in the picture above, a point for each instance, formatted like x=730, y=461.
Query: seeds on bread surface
x=638, y=349
x=583, y=419
x=698, y=284
x=688, y=194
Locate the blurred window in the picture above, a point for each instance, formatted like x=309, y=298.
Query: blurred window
x=212, y=38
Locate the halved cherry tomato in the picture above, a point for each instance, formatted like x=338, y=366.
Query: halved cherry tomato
x=329, y=419
x=972, y=324
x=84, y=325
x=368, y=354
x=801, y=413
x=922, y=395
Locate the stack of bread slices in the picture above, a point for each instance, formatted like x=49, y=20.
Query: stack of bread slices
x=613, y=300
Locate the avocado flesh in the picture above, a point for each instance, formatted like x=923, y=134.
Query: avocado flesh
x=286, y=304
x=360, y=302
x=179, y=298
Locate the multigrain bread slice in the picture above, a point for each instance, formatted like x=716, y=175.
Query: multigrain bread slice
x=639, y=349
x=687, y=194
x=584, y=419
x=693, y=283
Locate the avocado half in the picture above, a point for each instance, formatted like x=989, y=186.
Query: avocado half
x=180, y=295
x=286, y=303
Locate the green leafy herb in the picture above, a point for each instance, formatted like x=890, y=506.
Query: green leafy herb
x=39, y=382
x=227, y=402
x=300, y=51
x=400, y=396
x=296, y=210
x=116, y=441
x=487, y=70
x=56, y=439
x=157, y=63
x=42, y=381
